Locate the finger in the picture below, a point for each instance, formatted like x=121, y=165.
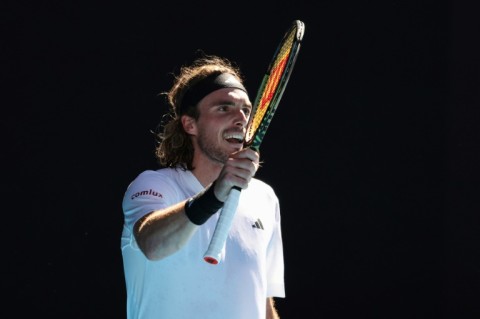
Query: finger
x=246, y=153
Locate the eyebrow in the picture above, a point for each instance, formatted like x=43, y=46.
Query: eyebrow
x=223, y=101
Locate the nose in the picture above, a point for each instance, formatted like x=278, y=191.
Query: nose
x=241, y=119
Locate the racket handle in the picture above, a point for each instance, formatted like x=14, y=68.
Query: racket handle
x=214, y=251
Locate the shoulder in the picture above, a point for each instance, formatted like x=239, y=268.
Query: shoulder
x=159, y=174
x=162, y=172
x=151, y=190
x=154, y=179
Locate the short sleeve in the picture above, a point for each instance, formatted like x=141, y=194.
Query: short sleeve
x=148, y=192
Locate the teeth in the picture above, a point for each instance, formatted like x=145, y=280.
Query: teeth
x=237, y=136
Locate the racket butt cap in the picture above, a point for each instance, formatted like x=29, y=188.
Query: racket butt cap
x=210, y=260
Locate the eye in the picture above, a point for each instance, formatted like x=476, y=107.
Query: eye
x=247, y=111
x=222, y=108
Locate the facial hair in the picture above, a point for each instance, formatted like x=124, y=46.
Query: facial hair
x=209, y=147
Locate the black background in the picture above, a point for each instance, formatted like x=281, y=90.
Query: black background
x=373, y=151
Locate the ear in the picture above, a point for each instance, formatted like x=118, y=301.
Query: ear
x=189, y=124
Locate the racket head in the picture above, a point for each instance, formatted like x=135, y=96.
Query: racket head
x=273, y=84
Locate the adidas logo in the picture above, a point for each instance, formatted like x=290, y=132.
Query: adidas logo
x=258, y=224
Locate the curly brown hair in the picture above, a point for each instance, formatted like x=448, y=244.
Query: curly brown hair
x=174, y=146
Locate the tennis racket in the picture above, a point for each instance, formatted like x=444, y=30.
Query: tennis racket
x=266, y=102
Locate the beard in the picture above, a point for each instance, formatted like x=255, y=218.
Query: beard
x=209, y=147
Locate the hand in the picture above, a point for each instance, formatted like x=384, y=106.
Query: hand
x=237, y=172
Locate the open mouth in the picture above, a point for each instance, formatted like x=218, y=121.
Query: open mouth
x=235, y=138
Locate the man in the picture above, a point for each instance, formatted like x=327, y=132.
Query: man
x=170, y=214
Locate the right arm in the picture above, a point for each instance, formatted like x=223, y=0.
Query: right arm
x=161, y=233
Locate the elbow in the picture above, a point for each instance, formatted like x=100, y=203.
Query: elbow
x=150, y=251
x=149, y=254
x=155, y=250
x=162, y=240
x=153, y=257
x=145, y=242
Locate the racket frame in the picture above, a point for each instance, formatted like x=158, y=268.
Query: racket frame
x=213, y=254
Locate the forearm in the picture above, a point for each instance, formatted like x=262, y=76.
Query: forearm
x=162, y=233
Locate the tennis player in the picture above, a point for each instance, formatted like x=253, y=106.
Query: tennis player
x=170, y=213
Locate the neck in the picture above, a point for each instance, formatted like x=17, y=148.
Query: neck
x=206, y=171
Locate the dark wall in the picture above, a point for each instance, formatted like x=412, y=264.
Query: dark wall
x=373, y=151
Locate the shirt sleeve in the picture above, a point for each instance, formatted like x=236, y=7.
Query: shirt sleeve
x=148, y=192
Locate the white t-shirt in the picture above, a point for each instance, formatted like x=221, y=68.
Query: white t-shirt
x=184, y=285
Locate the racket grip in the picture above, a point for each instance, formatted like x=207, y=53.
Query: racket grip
x=224, y=223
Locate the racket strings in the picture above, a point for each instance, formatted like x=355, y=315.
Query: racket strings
x=271, y=84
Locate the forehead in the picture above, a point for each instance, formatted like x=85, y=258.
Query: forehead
x=226, y=95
